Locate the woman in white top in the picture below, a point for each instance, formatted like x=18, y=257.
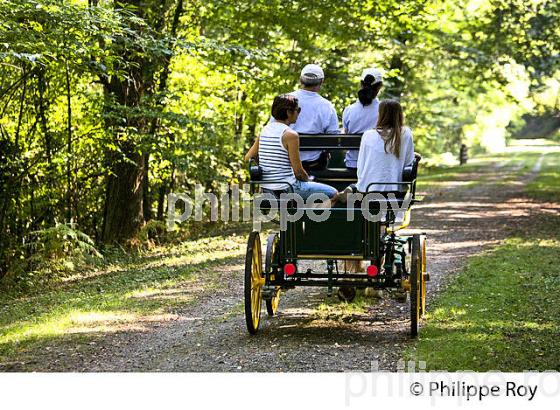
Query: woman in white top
x=385, y=150
x=277, y=148
x=362, y=115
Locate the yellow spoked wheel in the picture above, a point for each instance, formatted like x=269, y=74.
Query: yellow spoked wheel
x=254, y=282
x=424, y=274
x=415, y=285
x=271, y=254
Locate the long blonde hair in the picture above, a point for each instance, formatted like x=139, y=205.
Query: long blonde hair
x=390, y=124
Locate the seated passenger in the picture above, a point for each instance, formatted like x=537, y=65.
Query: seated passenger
x=362, y=115
x=385, y=151
x=318, y=115
x=277, y=148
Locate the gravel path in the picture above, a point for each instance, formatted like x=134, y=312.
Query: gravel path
x=210, y=334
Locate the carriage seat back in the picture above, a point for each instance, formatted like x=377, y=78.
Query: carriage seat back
x=410, y=172
x=255, y=170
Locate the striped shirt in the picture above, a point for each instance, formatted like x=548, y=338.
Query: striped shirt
x=273, y=156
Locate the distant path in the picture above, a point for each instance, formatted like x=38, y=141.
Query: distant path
x=210, y=334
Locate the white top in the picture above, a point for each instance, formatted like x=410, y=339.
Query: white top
x=317, y=116
x=273, y=156
x=357, y=119
x=375, y=165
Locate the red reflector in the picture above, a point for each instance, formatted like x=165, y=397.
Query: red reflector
x=372, y=270
x=289, y=269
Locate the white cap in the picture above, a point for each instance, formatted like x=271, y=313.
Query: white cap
x=313, y=71
x=374, y=72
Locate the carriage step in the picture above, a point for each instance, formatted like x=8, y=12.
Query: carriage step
x=426, y=277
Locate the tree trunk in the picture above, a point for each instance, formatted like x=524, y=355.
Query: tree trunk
x=124, y=213
x=162, y=87
x=161, y=200
x=125, y=181
x=42, y=111
x=146, y=196
x=398, y=62
x=69, y=193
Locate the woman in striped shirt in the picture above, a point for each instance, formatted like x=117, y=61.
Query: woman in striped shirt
x=278, y=150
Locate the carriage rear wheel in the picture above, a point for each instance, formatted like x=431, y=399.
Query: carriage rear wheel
x=254, y=282
x=271, y=255
x=416, y=285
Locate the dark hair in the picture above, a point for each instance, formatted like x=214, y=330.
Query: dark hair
x=282, y=104
x=369, y=90
x=390, y=124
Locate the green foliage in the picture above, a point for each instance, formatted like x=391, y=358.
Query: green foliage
x=61, y=241
x=92, y=90
x=153, y=232
x=54, y=251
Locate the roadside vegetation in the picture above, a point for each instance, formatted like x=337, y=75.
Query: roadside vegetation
x=502, y=312
x=546, y=186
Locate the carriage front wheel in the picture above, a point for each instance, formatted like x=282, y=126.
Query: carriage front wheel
x=254, y=281
x=416, y=284
x=425, y=276
x=272, y=271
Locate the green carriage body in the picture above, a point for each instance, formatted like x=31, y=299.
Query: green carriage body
x=334, y=239
x=337, y=237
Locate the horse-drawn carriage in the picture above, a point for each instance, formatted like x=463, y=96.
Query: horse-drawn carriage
x=395, y=261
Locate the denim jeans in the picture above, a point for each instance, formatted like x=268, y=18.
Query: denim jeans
x=306, y=188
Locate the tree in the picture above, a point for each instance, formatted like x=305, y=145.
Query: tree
x=126, y=96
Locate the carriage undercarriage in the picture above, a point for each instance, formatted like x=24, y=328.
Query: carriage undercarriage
x=266, y=278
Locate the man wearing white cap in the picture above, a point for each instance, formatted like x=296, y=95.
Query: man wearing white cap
x=317, y=116
x=362, y=115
